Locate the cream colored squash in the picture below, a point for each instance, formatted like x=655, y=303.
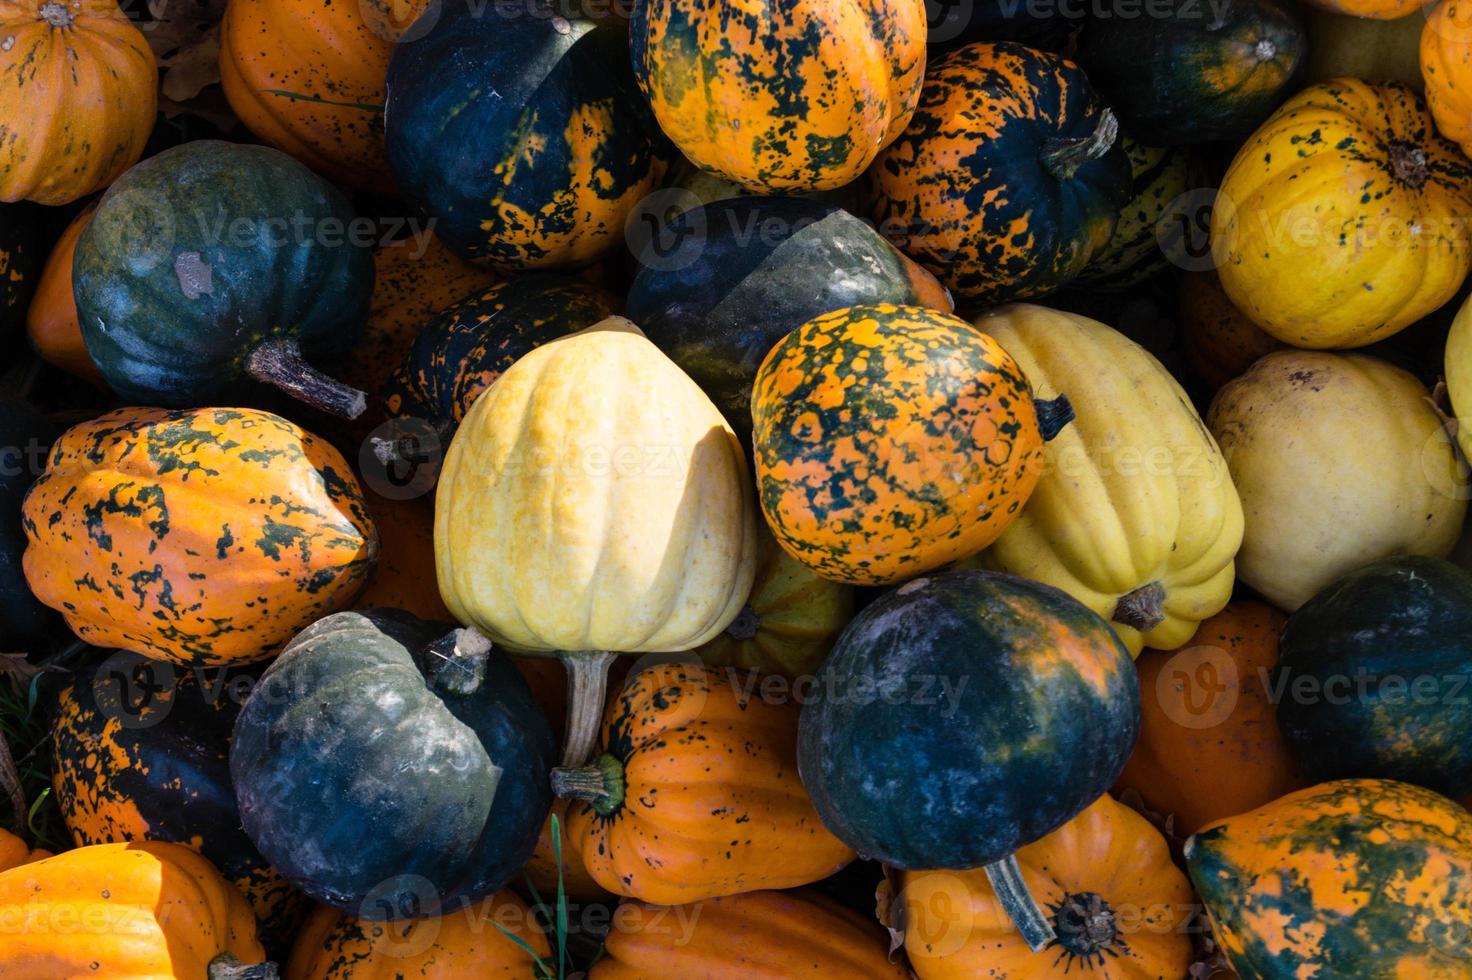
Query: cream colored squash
x=594, y=501
x=1136, y=516
x=1458, y=370
x=1340, y=459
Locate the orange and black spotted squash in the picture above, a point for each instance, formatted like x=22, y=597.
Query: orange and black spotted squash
x=780, y=95
x=890, y=440
x=1356, y=878
x=694, y=793
x=140, y=751
x=1009, y=178
x=204, y=537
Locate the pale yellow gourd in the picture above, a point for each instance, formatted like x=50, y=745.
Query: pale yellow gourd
x=1136, y=515
x=1458, y=371
x=595, y=501
x=1340, y=460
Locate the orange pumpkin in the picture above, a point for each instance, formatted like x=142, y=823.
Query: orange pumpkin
x=464, y=943
x=1209, y=743
x=1376, y=9
x=51, y=320
x=766, y=935
x=78, y=92
x=1220, y=341
x=141, y=910
x=14, y=852
x=308, y=78
x=694, y=792
x=1116, y=900
x=1446, y=69
x=405, y=575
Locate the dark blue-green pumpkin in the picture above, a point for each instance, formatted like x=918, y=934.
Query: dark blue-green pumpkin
x=212, y=264
x=390, y=769
x=964, y=715
x=1375, y=676
x=25, y=435
x=521, y=134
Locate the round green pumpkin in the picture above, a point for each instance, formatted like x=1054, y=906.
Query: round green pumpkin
x=25, y=435
x=738, y=275
x=1161, y=176
x=390, y=770
x=215, y=263
x=1193, y=72
x=964, y=715
x=1373, y=676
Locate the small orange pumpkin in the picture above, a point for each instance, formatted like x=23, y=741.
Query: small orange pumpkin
x=78, y=92
x=14, y=852
x=1220, y=341
x=694, y=792
x=1376, y=9
x=1446, y=69
x=51, y=320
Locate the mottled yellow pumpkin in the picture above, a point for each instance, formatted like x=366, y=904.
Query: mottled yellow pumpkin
x=1136, y=515
x=1344, y=217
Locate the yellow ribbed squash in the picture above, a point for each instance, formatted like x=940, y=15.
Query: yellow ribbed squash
x=1458, y=370
x=1136, y=515
x=595, y=501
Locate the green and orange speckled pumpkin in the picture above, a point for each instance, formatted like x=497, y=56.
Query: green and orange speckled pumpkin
x=780, y=95
x=1161, y=176
x=695, y=793
x=890, y=440
x=140, y=751
x=204, y=537
x=1008, y=180
x=1359, y=878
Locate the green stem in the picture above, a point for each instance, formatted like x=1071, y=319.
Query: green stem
x=1017, y=901
x=1053, y=414
x=600, y=785
x=300, y=97
x=1063, y=157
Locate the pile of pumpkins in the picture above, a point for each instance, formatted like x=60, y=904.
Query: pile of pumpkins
x=669, y=461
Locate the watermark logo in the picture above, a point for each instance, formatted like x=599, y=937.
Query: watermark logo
x=1198, y=687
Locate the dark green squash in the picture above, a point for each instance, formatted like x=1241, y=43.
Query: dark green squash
x=215, y=263
x=1373, y=676
x=25, y=436
x=1161, y=176
x=741, y=274
x=19, y=266
x=964, y=715
x=1194, y=72
x=522, y=134
x=140, y=751
x=365, y=765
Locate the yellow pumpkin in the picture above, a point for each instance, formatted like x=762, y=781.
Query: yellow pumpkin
x=1458, y=370
x=1340, y=459
x=78, y=93
x=1135, y=515
x=594, y=501
x=1343, y=218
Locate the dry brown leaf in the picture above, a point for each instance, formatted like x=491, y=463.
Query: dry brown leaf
x=193, y=69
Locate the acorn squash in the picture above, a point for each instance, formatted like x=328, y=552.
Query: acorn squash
x=1161, y=175
x=1136, y=515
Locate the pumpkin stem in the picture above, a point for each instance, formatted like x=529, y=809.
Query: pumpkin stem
x=745, y=625
x=1408, y=163
x=278, y=361
x=56, y=14
x=1053, y=414
x=1062, y=157
x=1018, y=903
x=1142, y=609
x=460, y=667
x=1085, y=924
x=227, y=967
x=600, y=785
x=587, y=684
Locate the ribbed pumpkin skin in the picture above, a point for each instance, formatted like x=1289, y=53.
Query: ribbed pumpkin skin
x=1160, y=176
x=1186, y=74
x=1220, y=341
x=576, y=512
x=966, y=192
x=353, y=735
x=462, y=943
x=523, y=135
x=134, y=763
x=1379, y=632
x=177, y=218
x=80, y=87
x=1446, y=54
x=335, y=52
x=780, y=95
x=958, y=777
x=1135, y=493
x=890, y=440
x=1457, y=369
x=25, y=435
x=1320, y=442
x=146, y=909
x=1356, y=878
x=764, y=267
x=202, y=537
x=956, y=929
x=768, y=935
x=712, y=804
x=789, y=622
x=51, y=318
x=1210, y=746
x=467, y=346
x=1402, y=233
